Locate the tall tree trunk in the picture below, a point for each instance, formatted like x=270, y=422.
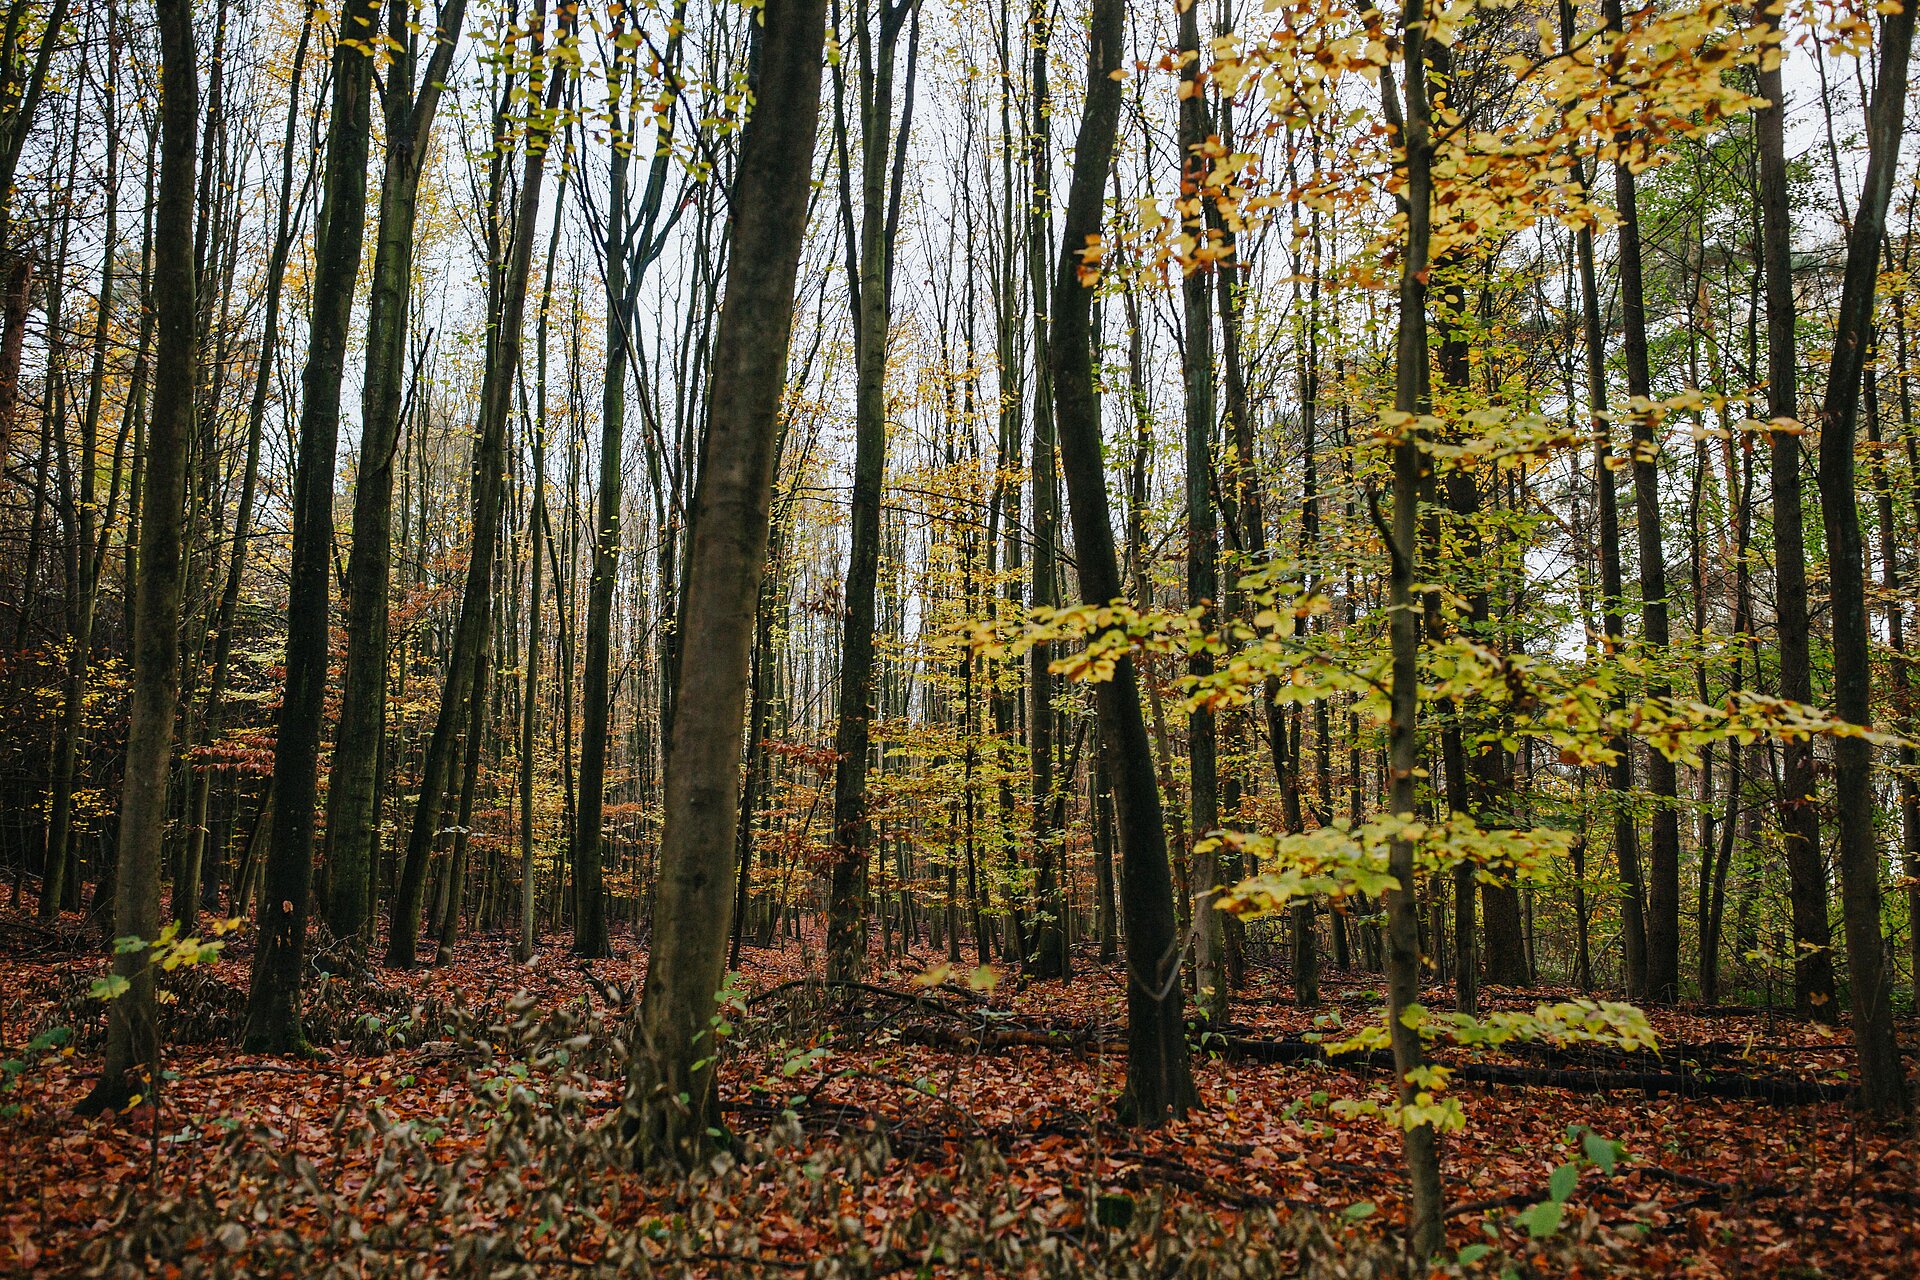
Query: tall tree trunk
x=1159, y=1077
x=1050, y=955
x=273, y=1004
x=671, y=1098
x=1626, y=836
x=1203, y=567
x=1663, y=850
x=133, y=1045
x=489, y=470
x=353, y=786
x=1403, y=742
x=852, y=740
x=1813, y=989
x=590, y=939
x=1869, y=975
x=90, y=548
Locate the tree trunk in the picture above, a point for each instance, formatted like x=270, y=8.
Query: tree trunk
x=1626, y=837
x=133, y=1045
x=353, y=786
x=1403, y=743
x=1159, y=1078
x=672, y=1106
x=1869, y=975
x=489, y=469
x=1203, y=569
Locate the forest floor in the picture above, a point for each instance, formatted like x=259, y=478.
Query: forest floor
x=462, y=1118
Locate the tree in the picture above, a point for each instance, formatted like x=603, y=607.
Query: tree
x=132, y=1034
x=672, y=1106
x=1412, y=125
x=1203, y=565
x=1813, y=990
x=1159, y=1076
x=1883, y=1087
x=354, y=783
x=273, y=1004
x=504, y=340
x=869, y=275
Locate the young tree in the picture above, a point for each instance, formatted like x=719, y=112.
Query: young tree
x=1159, y=1076
x=1203, y=567
x=1813, y=990
x=1412, y=123
x=869, y=275
x=353, y=785
x=132, y=1035
x=504, y=340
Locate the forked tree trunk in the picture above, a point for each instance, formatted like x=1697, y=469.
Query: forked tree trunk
x=354, y=783
x=273, y=1004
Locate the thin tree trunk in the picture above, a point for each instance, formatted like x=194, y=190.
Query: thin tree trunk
x=353, y=790
x=671, y=1099
x=1869, y=975
x=489, y=469
x=133, y=1045
x=1159, y=1077
x=1403, y=742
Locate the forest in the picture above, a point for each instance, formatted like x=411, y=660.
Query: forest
x=959, y=638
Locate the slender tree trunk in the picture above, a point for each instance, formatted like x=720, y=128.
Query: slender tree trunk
x=1203, y=569
x=1626, y=836
x=90, y=549
x=353, y=788
x=1050, y=958
x=852, y=836
x=1403, y=742
x=273, y=1005
x=1869, y=975
x=489, y=469
x=671, y=1101
x=1663, y=852
x=133, y=1045
x=1813, y=988
x=1159, y=1078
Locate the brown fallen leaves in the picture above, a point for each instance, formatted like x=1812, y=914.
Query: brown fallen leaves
x=1710, y=1188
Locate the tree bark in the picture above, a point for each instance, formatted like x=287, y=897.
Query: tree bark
x=1869, y=975
x=672, y=1107
x=1403, y=741
x=1159, y=1077
x=133, y=1045
x=489, y=470
x=273, y=1004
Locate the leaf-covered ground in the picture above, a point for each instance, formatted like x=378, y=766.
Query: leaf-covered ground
x=463, y=1119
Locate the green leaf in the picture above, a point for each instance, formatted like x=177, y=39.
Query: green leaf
x=1564, y=1179
x=1601, y=1151
x=111, y=987
x=1359, y=1212
x=1473, y=1253
x=1543, y=1219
